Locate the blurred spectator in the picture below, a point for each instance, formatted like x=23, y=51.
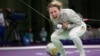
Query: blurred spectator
x=43, y=35
x=99, y=33
x=8, y=13
x=96, y=33
x=28, y=38
x=31, y=35
x=2, y=29
x=99, y=29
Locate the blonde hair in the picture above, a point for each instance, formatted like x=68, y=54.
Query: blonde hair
x=57, y=4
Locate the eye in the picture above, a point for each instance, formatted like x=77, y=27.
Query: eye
x=51, y=12
x=55, y=11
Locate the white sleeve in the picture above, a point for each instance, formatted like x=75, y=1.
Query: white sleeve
x=74, y=18
x=2, y=22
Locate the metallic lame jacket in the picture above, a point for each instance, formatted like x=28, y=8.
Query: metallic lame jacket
x=68, y=15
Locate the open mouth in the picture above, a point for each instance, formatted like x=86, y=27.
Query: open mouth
x=55, y=17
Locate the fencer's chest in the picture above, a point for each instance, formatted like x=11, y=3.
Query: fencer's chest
x=63, y=19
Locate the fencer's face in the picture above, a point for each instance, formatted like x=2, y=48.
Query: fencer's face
x=54, y=12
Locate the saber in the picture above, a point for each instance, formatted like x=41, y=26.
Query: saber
x=93, y=20
x=90, y=19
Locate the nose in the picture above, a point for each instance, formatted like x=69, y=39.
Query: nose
x=53, y=13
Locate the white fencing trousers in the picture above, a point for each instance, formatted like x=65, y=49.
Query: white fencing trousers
x=68, y=34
